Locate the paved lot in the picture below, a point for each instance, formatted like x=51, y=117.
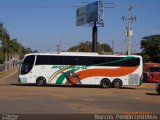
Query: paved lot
x=20, y=99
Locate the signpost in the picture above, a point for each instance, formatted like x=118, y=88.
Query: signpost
x=92, y=15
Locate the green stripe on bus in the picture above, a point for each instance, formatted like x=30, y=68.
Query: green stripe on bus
x=60, y=79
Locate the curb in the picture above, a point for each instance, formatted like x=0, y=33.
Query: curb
x=9, y=75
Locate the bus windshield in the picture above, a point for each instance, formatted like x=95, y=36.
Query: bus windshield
x=27, y=64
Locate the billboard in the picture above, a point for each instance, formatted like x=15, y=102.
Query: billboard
x=90, y=13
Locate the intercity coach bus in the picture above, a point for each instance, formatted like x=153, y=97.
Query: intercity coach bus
x=78, y=68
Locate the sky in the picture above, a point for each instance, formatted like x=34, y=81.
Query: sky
x=44, y=24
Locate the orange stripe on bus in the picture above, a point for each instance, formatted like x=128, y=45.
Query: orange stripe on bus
x=122, y=71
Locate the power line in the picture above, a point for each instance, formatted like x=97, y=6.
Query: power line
x=34, y=7
x=53, y=7
x=106, y=5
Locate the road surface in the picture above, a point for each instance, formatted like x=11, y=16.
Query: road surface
x=26, y=99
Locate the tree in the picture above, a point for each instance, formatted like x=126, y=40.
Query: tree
x=35, y=51
x=150, y=46
x=1, y=56
x=81, y=47
x=10, y=49
x=87, y=47
x=102, y=48
x=4, y=36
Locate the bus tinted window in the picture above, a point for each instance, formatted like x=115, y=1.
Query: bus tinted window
x=43, y=60
x=68, y=60
x=131, y=62
x=49, y=60
x=84, y=60
x=115, y=61
x=56, y=60
x=77, y=60
x=27, y=64
x=87, y=60
x=99, y=61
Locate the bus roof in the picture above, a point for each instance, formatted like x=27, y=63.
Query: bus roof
x=80, y=54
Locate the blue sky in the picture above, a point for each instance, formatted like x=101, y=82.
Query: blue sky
x=44, y=28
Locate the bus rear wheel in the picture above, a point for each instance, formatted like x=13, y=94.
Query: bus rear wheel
x=105, y=83
x=41, y=81
x=117, y=83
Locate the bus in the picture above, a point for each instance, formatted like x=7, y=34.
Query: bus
x=79, y=68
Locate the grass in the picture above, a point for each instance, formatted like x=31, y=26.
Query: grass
x=4, y=74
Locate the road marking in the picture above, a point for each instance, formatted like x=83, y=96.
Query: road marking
x=9, y=75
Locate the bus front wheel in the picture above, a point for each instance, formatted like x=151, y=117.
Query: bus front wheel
x=117, y=83
x=41, y=81
x=105, y=83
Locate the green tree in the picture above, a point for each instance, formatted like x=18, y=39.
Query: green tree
x=150, y=46
x=1, y=56
x=81, y=47
x=102, y=48
x=87, y=47
x=10, y=48
x=23, y=51
x=4, y=36
x=35, y=51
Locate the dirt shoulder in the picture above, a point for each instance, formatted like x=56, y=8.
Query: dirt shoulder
x=4, y=75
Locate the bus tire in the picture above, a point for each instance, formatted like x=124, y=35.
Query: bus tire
x=105, y=83
x=41, y=81
x=117, y=83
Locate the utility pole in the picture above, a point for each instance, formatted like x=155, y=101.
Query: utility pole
x=94, y=38
x=59, y=47
x=113, y=47
x=129, y=31
x=122, y=48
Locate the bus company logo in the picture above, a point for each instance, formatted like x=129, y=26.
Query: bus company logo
x=69, y=67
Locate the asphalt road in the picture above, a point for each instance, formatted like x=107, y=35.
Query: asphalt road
x=23, y=99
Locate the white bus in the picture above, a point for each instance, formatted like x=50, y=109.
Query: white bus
x=77, y=68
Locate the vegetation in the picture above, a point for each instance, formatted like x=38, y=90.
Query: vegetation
x=87, y=47
x=10, y=48
x=150, y=46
